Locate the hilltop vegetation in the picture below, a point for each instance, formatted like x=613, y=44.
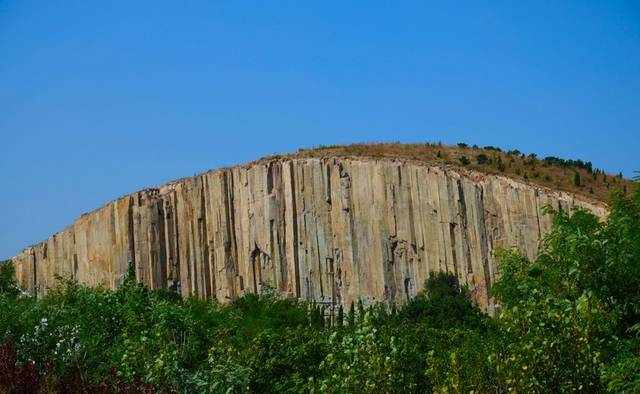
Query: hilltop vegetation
x=568, y=321
x=575, y=176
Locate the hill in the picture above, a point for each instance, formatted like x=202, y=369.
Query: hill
x=337, y=225
x=551, y=172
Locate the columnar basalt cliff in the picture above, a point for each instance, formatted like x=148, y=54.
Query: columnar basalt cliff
x=334, y=230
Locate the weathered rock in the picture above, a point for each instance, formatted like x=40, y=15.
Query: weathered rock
x=333, y=230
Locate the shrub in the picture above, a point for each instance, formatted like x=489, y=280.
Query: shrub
x=575, y=309
x=482, y=158
x=8, y=285
x=567, y=321
x=552, y=160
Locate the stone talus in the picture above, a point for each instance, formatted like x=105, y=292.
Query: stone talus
x=332, y=230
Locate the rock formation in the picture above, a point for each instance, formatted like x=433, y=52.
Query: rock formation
x=335, y=230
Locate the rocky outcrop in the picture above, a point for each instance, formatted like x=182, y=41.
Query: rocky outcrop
x=335, y=230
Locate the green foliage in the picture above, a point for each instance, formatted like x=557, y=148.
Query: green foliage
x=567, y=321
x=482, y=159
x=464, y=160
x=444, y=303
x=576, y=179
x=435, y=343
x=500, y=165
x=8, y=286
x=572, y=316
x=552, y=160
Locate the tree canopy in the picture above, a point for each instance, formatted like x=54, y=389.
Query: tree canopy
x=567, y=321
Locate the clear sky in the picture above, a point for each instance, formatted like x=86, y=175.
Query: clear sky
x=101, y=98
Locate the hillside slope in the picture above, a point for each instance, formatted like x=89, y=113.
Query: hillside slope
x=552, y=172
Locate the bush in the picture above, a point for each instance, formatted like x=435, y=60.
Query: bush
x=552, y=160
x=570, y=314
x=567, y=321
x=576, y=179
x=442, y=304
x=482, y=158
x=8, y=285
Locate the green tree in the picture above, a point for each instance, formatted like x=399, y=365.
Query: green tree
x=576, y=179
x=571, y=318
x=8, y=284
x=482, y=159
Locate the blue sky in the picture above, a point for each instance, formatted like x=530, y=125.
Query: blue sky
x=98, y=99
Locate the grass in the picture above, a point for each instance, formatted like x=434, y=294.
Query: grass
x=550, y=172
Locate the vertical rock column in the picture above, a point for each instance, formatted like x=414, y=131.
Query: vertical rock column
x=333, y=230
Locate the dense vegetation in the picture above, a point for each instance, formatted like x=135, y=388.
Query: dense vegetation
x=568, y=321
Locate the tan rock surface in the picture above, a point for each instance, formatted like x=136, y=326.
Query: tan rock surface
x=327, y=229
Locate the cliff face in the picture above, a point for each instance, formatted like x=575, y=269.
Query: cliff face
x=333, y=230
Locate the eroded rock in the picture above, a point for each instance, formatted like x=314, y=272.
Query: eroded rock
x=333, y=230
